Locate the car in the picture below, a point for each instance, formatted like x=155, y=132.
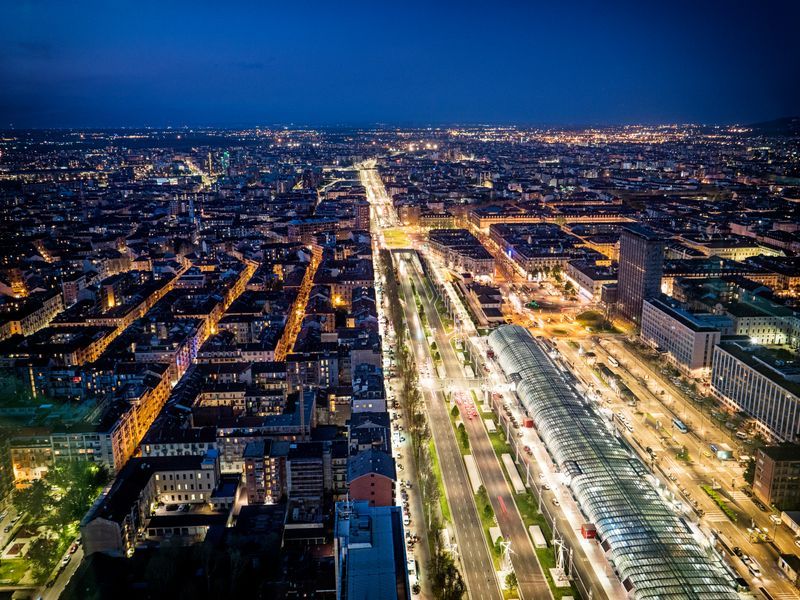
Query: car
x=73, y=548
x=776, y=519
x=737, y=551
x=7, y=528
x=797, y=542
x=556, y=502
x=546, y=486
x=65, y=560
x=3, y=515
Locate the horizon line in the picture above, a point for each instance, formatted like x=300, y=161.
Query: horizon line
x=398, y=125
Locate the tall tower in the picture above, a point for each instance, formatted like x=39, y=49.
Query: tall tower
x=641, y=264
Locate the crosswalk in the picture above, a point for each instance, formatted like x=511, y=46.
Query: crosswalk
x=739, y=496
x=716, y=516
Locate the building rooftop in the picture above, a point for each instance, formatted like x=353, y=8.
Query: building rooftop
x=372, y=558
x=781, y=453
x=371, y=461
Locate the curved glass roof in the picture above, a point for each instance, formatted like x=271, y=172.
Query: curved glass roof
x=653, y=550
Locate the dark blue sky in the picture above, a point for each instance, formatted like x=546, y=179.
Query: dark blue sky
x=116, y=63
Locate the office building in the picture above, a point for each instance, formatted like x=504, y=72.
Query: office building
x=641, y=261
x=686, y=339
x=777, y=477
x=752, y=379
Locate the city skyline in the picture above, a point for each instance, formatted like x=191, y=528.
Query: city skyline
x=400, y=301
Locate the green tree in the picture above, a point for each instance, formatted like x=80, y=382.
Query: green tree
x=750, y=471
x=446, y=580
x=463, y=436
x=77, y=483
x=35, y=499
x=454, y=412
x=511, y=581
x=42, y=554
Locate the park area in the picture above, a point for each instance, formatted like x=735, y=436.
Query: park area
x=595, y=321
x=49, y=510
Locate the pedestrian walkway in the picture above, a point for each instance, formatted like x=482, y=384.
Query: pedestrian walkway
x=716, y=516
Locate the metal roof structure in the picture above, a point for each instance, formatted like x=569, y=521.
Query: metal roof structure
x=655, y=553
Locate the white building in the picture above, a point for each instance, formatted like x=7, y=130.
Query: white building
x=762, y=327
x=688, y=340
x=749, y=378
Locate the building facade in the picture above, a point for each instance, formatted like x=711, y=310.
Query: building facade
x=744, y=379
x=777, y=477
x=641, y=263
x=685, y=338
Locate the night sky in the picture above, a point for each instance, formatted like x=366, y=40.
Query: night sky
x=107, y=64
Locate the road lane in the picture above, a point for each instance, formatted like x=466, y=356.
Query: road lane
x=532, y=582
x=477, y=565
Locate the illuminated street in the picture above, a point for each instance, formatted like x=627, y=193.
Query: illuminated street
x=559, y=320
x=393, y=302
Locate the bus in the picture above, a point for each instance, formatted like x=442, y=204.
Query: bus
x=679, y=425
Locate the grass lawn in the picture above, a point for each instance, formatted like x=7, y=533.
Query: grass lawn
x=461, y=438
x=437, y=472
x=486, y=514
x=12, y=570
x=596, y=320
x=721, y=502
x=499, y=443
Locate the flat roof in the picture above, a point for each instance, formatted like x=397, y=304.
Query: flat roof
x=375, y=563
x=685, y=318
x=791, y=453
